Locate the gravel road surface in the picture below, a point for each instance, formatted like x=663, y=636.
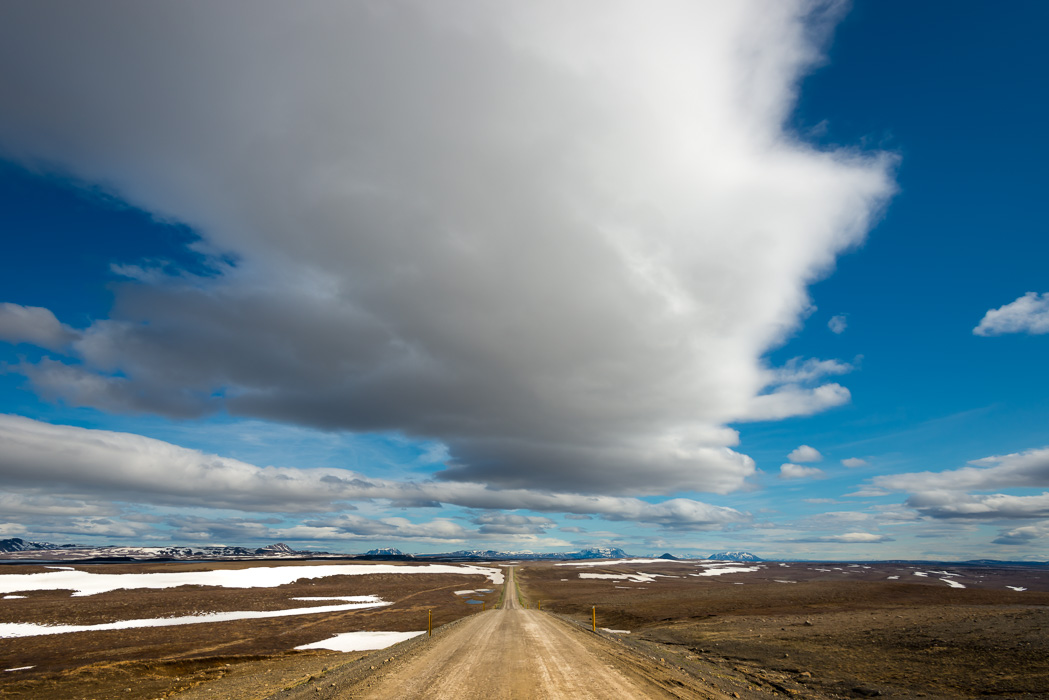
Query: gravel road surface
x=511, y=652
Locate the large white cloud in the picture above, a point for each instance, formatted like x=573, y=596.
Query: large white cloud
x=558, y=237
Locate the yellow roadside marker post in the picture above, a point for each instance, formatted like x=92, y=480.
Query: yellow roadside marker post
x=594, y=612
x=429, y=622
x=539, y=605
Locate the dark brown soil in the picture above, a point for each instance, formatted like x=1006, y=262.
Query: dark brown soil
x=836, y=633
x=157, y=661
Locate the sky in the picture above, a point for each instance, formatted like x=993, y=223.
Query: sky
x=684, y=277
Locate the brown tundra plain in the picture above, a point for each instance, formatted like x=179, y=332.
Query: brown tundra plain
x=754, y=630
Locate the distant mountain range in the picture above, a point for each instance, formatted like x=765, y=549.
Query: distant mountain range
x=490, y=554
x=17, y=545
x=18, y=548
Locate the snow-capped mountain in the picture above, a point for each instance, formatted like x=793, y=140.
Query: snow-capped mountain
x=597, y=553
x=17, y=544
x=384, y=552
x=734, y=556
x=387, y=553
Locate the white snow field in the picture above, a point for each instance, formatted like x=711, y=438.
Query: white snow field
x=84, y=583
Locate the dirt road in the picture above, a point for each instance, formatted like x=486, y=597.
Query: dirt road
x=513, y=652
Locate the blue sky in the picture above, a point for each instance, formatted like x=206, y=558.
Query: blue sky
x=528, y=280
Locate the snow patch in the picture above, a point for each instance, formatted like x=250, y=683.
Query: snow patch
x=636, y=578
x=20, y=668
x=344, y=598
x=12, y=597
x=727, y=570
x=361, y=641
x=26, y=629
x=610, y=631
x=952, y=583
x=1017, y=588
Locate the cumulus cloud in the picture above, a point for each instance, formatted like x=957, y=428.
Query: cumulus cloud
x=1028, y=314
x=854, y=462
x=79, y=462
x=793, y=400
x=349, y=526
x=512, y=524
x=804, y=453
x=946, y=494
x=34, y=325
x=560, y=240
x=837, y=324
x=1024, y=535
x=954, y=504
x=797, y=471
